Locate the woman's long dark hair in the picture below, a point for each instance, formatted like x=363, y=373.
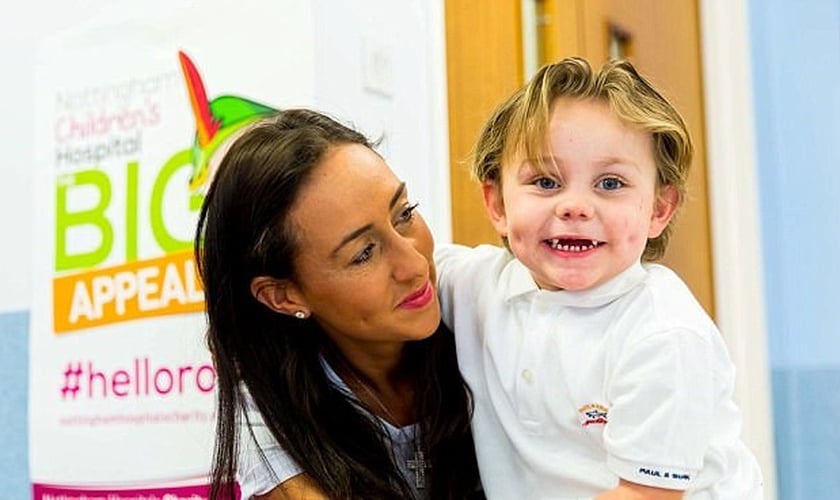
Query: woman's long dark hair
x=243, y=232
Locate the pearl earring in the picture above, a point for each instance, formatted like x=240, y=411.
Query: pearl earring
x=300, y=315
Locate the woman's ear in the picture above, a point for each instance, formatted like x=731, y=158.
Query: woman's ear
x=664, y=208
x=495, y=205
x=279, y=295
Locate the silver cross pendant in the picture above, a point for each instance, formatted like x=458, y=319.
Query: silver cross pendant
x=418, y=465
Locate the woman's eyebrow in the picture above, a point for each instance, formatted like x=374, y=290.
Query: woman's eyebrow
x=355, y=234
x=397, y=195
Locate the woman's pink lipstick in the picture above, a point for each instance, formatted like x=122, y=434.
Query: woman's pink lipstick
x=419, y=298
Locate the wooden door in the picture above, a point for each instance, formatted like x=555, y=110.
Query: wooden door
x=660, y=37
x=484, y=64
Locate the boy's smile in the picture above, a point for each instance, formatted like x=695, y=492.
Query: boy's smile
x=586, y=215
x=574, y=245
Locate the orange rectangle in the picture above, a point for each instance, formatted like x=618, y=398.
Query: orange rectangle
x=155, y=287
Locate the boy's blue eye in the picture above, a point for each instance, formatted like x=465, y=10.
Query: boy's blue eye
x=610, y=184
x=546, y=183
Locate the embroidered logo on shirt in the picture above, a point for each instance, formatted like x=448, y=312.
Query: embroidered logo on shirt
x=592, y=413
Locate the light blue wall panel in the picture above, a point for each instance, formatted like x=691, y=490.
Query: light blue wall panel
x=796, y=70
x=806, y=409
x=14, y=374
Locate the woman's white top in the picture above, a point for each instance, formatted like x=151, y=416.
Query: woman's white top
x=258, y=476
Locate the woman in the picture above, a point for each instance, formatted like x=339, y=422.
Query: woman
x=336, y=378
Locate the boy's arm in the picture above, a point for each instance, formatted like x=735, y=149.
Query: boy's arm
x=664, y=393
x=449, y=261
x=634, y=491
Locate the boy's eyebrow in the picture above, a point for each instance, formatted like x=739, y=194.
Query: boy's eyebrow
x=542, y=162
x=358, y=232
x=613, y=160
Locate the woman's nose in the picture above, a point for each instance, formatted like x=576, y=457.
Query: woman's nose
x=408, y=261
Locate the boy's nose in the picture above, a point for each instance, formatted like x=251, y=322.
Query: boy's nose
x=572, y=207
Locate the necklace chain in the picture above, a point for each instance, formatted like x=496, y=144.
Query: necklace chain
x=417, y=464
x=373, y=396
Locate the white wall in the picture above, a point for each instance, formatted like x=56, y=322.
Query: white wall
x=382, y=65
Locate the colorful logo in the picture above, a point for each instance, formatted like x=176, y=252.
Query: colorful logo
x=123, y=229
x=592, y=413
x=216, y=124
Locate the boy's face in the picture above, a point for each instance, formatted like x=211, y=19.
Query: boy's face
x=589, y=216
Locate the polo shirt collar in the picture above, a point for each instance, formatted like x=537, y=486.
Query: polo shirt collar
x=518, y=282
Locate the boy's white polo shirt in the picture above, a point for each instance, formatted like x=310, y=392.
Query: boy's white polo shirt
x=576, y=389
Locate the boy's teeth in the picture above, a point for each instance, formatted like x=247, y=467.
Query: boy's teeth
x=555, y=243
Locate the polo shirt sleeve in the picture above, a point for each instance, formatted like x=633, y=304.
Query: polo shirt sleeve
x=451, y=267
x=258, y=473
x=663, y=397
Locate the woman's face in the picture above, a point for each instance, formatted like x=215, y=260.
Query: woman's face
x=363, y=262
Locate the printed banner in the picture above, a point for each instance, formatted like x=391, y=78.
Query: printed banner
x=132, y=116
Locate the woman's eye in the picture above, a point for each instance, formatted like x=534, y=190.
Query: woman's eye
x=610, y=184
x=408, y=213
x=546, y=183
x=364, y=255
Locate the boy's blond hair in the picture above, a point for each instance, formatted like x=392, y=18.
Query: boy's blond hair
x=518, y=128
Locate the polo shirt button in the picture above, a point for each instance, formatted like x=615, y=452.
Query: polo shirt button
x=528, y=375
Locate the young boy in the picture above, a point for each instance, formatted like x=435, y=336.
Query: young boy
x=594, y=372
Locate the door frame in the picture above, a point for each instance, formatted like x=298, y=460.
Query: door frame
x=734, y=216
